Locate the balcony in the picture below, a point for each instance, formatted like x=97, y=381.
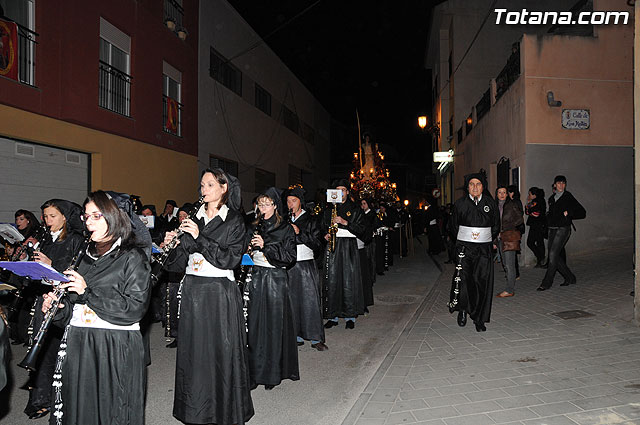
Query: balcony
x=172, y=123
x=173, y=12
x=114, y=90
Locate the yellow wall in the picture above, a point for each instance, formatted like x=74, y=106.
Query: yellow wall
x=117, y=163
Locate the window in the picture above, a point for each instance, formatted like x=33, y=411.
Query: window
x=174, y=12
x=114, y=64
x=308, y=133
x=263, y=100
x=264, y=180
x=171, y=98
x=22, y=12
x=289, y=119
x=229, y=167
x=224, y=72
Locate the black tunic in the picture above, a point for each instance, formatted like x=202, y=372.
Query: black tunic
x=96, y=387
x=273, y=353
x=367, y=266
x=304, y=282
x=476, y=286
x=61, y=253
x=212, y=375
x=342, y=280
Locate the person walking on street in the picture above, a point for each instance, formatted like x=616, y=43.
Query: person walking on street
x=536, y=210
x=509, y=238
x=476, y=223
x=563, y=209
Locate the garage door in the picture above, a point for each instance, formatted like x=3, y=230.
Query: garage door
x=31, y=174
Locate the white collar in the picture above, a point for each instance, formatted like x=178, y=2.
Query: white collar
x=222, y=212
x=300, y=215
x=54, y=235
x=479, y=197
x=368, y=211
x=114, y=246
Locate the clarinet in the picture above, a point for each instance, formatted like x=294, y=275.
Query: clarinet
x=29, y=361
x=160, y=261
x=246, y=272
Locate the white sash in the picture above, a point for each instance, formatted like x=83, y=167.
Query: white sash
x=344, y=233
x=260, y=260
x=474, y=234
x=198, y=266
x=304, y=253
x=85, y=317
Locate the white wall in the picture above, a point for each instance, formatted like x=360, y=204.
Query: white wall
x=231, y=126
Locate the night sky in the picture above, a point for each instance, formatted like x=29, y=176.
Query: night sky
x=356, y=54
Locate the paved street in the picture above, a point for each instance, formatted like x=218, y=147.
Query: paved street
x=331, y=382
x=409, y=363
x=530, y=367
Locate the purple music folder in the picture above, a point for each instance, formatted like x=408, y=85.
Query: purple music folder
x=33, y=270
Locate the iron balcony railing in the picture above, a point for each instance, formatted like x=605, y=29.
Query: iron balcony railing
x=509, y=73
x=171, y=125
x=173, y=11
x=114, y=89
x=27, y=55
x=483, y=106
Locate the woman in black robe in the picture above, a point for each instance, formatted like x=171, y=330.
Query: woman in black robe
x=273, y=354
x=99, y=373
x=304, y=282
x=212, y=374
x=62, y=219
x=364, y=248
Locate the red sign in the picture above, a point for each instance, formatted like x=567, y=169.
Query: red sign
x=9, y=50
x=435, y=193
x=172, y=116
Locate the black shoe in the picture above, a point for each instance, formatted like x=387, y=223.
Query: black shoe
x=462, y=318
x=350, y=324
x=330, y=324
x=366, y=310
x=320, y=346
x=542, y=288
x=480, y=327
x=300, y=343
x=172, y=344
x=568, y=282
x=39, y=414
x=269, y=387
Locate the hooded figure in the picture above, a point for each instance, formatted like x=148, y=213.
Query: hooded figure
x=476, y=223
x=342, y=279
x=273, y=354
x=304, y=282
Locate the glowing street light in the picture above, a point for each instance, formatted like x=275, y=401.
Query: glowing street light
x=422, y=121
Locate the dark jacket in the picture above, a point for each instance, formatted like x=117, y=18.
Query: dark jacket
x=279, y=243
x=61, y=252
x=537, y=212
x=511, y=216
x=556, y=217
x=352, y=213
x=309, y=234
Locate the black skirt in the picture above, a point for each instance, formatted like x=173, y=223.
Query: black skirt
x=343, y=281
x=103, y=377
x=304, y=286
x=212, y=375
x=476, y=284
x=367, y=278
x=273, y=352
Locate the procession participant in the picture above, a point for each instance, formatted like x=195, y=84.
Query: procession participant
x=304, y=282
x=108, y=296
x=273, y=355
x=212, y=376
x=563, y=209
x=62, y=219
x=365, y=246
x=169, y=288
x=382, y=240
x=476, y=222
x=342, y=279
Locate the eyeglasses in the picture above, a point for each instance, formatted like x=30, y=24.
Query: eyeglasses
x=265, y=205
x=94, y=216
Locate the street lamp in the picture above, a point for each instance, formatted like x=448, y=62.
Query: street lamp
x=406, y=202
x=422, y=121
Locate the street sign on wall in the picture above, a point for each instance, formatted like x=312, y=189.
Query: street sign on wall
x=435, y=193
x=576, y=119
x=443, y=156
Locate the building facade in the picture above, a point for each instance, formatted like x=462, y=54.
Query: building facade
x=257, y=120
x=105, y=98
x=560, y=103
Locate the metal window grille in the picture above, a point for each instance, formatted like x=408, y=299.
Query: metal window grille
x=165, y=117
x=114, y=89
x=263, y=99
x=224, y=72
x=26, y=55
x=230, y=167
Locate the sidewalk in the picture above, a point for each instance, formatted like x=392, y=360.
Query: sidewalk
x=530, y=366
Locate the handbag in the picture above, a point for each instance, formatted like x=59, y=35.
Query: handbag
x=510, y=240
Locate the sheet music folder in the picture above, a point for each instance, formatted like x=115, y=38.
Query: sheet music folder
x=246, y=260
x=33, y=270
x=10, y=233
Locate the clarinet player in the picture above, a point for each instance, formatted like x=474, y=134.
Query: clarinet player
x=212, y=383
